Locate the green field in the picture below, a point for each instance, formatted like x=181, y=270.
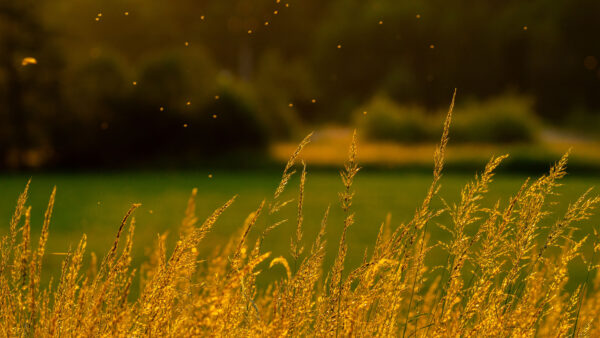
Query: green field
x=94, y=204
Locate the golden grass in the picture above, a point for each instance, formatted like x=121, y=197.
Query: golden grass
x=501, y=278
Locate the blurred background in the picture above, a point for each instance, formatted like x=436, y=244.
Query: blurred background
x=120, y=82
x=120, y=101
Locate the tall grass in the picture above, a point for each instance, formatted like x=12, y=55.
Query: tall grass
x=506, y=271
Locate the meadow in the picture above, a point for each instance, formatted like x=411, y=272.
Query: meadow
x=94, y=203
x=463, y=265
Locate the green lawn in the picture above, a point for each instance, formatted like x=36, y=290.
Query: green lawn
x=95, y=203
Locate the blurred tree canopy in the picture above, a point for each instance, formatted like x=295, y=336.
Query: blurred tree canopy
x=124, y=79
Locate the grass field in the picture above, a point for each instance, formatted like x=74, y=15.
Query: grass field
x=94, y=203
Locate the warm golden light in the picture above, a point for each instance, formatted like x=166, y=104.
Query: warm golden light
x=28, y=61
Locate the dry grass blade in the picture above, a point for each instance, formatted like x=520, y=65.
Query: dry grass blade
x=287, y=174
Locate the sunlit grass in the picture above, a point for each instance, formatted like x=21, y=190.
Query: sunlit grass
x=504, y=267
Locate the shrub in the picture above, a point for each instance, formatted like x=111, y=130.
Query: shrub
x=95, y=90
x=388, y=121
x=278, y=83
x=583, y=124
x=505, y=119
x=230, y=123
x=166, y=115
x=164, y=82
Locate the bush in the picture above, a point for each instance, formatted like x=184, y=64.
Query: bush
x=166, y=115
x=163, y=82
x=279, y=82
x=506, y=119
x=94, y=92
x=383, y=119
x=230, y=123
x=115, y=121
x=583, y=123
